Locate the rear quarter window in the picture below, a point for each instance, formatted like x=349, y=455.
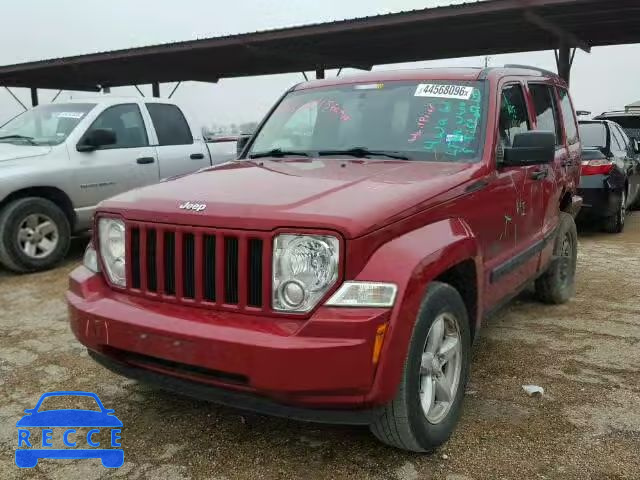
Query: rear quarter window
x=568, y=116
x=171, y=126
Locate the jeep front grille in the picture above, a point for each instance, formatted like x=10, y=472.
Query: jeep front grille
x=207, y=267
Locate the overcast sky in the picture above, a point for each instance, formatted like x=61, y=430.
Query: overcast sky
x=40, y=29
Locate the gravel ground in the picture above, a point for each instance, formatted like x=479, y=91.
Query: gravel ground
x=586, y=355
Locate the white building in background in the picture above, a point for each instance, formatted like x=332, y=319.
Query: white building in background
x=633, y=107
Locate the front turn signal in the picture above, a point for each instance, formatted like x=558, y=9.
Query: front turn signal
x=377, y=344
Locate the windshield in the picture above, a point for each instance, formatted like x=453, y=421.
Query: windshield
x=593, y=134
x=435, y=121
x=44, y=125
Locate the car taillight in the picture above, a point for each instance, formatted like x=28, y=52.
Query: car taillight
x=596, y=167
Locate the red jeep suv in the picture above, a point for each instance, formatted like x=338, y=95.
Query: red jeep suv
x=339, y=270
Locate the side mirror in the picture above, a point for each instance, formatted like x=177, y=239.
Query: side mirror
x=95, y=139
x=530, y=148
x=243, y=139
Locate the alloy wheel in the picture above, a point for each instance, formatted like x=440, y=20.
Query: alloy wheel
x=440, y=368
x=38, y=236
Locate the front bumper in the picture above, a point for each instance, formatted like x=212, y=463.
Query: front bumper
x=324, y=362
x=235, y=399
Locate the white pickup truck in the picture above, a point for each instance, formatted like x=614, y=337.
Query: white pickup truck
x=58, y=161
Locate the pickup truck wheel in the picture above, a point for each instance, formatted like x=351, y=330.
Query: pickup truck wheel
x=557, y=284
x=615, y=223
x=34, y=235
x=428, y=403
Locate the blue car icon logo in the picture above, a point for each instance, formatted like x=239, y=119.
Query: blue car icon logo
x=27, y=455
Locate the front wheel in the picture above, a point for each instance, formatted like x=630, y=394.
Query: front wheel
x=34, y=235
x=428, y=403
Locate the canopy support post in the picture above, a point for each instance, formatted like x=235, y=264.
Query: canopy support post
x=155, y=89
x=34, y=97
x=319, y=73
x=564, y=60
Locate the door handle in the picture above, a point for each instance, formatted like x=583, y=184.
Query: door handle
x=539, y=174
x=145, y=160
x=197, y=156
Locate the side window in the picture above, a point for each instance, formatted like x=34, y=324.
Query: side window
x=170, y=124
x=568, y=116
x=126, y=122
x=617, y=144
x=546, y=110
x=623, y=136
x=513, y=114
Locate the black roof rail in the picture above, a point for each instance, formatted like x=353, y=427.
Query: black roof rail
x=617, y=111
x=529, y=67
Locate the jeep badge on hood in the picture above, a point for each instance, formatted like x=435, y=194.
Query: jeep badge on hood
x=196, y=207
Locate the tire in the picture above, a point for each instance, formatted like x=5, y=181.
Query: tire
x=615, y=223
x=636, y=203
x=17, y=219
x=557, y=284
x=403, y=423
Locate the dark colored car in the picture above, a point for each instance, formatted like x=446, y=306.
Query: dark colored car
x=340, y=268
x=629, y=120
x=610, y=174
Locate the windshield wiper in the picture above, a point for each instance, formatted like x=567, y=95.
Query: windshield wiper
x=362, y=152
x=278, y=152
x=18, y=137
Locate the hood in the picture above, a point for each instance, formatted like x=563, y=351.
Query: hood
x=350, y=196
x=10, y=151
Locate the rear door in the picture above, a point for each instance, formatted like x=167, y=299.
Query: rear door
x=571, y=167
x=547, y=117
x=177, y=149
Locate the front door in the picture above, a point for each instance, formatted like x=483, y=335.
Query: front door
x=511, y=254
x=113, y=169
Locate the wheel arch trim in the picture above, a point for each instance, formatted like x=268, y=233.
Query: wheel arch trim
x=416, y=259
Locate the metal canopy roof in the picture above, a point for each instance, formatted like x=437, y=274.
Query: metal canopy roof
x=482, y=28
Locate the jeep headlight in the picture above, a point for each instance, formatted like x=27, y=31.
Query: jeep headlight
x=111, y=233
x=305, y=267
